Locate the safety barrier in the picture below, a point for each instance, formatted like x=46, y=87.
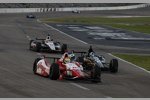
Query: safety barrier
x=28, y=10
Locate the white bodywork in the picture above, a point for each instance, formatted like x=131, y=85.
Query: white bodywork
x=41, y=65
x=73, y=66
x=98, y=61
x=50, y=44
x=33, y=44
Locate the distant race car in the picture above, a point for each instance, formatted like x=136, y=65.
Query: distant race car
x=30, y=16
x=65, y=68
x=47, y=45
x=92, y=59
x=76, y=11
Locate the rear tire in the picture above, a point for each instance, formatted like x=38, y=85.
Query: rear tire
x=113, y=66
x=64, y=48
x=54, y=72
x=38, y=47
x=30, y=47
x=35, y=65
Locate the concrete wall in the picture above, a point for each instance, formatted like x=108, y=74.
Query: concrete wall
x=26, y=10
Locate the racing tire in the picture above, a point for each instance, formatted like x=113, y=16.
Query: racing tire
x=54, y=72
x=96, y=74
x=35, y=65
x=113, y=66
x=64, y=48
x=30, y=47
x=38, y=47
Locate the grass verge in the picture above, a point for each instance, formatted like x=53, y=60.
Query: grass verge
x=139, y=60
x=139, y=24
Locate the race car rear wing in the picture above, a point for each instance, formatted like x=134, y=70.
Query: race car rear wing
x=80, y=52
x=53, y=58
x=39, y=39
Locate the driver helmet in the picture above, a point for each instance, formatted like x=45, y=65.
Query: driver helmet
x=67, y=60
x=72, y=56
x=48, y=38
x=92, y=54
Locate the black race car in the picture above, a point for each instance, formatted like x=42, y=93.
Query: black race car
x=91, y=59
x=30, y=16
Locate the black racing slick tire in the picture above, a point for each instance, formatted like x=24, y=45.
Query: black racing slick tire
x=96, y=74
x=35, y=65
x=38, y=47
x=64, y=48
x=54, y=72
x=113, y=66
x=30, y=47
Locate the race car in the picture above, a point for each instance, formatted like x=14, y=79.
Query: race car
x=47, y=45
x=30, y=16
x=76, y=11
x=91, y=59
x=65, y=68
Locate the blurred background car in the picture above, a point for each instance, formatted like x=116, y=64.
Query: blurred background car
x=30, y=16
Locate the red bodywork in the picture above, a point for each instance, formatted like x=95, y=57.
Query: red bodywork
x=72, y=70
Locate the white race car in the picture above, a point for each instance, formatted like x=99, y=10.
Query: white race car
x=47, y=45
x=76, y=11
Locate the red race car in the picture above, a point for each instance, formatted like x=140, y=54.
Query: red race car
x=65, y=67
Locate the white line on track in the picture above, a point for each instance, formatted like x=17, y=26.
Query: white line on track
x=79, y=86
x=65, y=33
x=84, y=88
x=108, y=97
x=129, y=63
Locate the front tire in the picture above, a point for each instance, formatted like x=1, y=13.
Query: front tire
x=113, y=66
x=38, y=47
x=54, y=72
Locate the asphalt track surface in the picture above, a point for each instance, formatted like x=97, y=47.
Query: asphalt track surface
x=94, y=34
x=18, y=80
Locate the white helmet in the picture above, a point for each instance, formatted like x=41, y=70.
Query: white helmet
x=92, y=54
